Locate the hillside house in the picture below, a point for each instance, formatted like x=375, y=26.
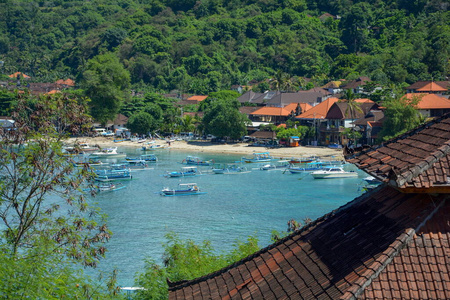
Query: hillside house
x=356, y=86
x=390, y=243
x=430, y=105
x=432, y=87
x=259, y=99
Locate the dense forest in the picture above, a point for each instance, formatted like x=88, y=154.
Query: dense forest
x=208, y=45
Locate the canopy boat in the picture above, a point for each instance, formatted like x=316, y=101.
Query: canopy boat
x=306, y=167
x=183, y=189
x=109, y=153
x=81, y=147
x=135, y=164
x=113, y=174
x=229, y=169
x=193, y=160
x=185, y=171
x=91, y=162
x=281, y=164
x=258, y=157
x=303, y=160
x=333, y=172
x=144, y=157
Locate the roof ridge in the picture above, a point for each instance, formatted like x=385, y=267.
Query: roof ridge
x=388, y=255
x=300, y=232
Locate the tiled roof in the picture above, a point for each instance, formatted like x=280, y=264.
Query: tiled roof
x=18, y=74
x=340, y=255
x=421, y=84
x=68, y=82
x=319, y=111
x=340, y=110
x=304, y=107
x=248, y=109
x=271, y=111
x=432, y=87
x=197, y=98
x=419, y=159
x=430, y=101
x=299, y=97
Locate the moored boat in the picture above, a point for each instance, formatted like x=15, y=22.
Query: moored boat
x=278, y=165
x=258, y=157
x=182, y=190
x=109, y=153
x=143, y=157
x=194, y=160
x=333, y=172
x=229, y=169
x=185, y=171
x=113, y=174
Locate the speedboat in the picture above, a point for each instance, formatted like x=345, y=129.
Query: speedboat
x=182, y=190
x=185, y=171
x=333, y=172
x=109, y=153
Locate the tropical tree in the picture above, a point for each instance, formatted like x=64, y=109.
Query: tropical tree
x=47, y=224
x=401, y=116
x=105, y=82
x=223, y=119
x=353, y=108
x=142, y=123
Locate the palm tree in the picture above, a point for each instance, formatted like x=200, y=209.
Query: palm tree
x=353, y=107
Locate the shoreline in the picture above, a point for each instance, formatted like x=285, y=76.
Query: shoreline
x=199, y=146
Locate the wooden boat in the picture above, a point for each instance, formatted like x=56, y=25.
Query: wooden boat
x=143, y=157
x=81, y=147
x=91, y=162
x=185, y=171
x=183, y=189
x=194, y=160
x=278, y=165
x=333, y=172
x=258, y=158
x=109, y=153
x=113, y=174
x=152, y=147
x=229, y=169
x=305, y=160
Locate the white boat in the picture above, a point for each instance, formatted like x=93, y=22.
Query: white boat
x=185, y=171
x=229, y=169
x=153, y=147
x=258, y=158
x=194, y=160
x=371, y=180
x=109, y=153
x=333, y=172
x=183, y=189
x=278, y=165
x=81, y=147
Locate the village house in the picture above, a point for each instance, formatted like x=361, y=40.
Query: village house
x=430, y=105
x=392, y=242
x=433, y=87
x=356, y=86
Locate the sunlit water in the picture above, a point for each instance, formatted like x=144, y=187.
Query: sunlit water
x=233, y=208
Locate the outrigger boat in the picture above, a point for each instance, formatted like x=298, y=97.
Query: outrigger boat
x=183, y=190
x=144, y=157
x=193, y=160
x=109, y=153
x=229, y=169
x=112, y=174
x=278, y=165
x=307, y=167
x=258, y=158
x=109, y=187
x=152, y=147
x=185, y=171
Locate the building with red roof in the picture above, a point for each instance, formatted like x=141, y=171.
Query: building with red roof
x=430, y=105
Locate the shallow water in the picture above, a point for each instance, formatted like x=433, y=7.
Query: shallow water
x=233, y=208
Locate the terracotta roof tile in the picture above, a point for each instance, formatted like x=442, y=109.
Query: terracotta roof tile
x=319, y=111
x=197, y=98
x=271, y=111
x=431, y=87
x=430, y=101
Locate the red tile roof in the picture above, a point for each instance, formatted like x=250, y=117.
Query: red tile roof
x=416, y=160
x=18, y=74
x=197, y=98
x=431, y=87
x=429, y=101
x=338, y=256
x=319, y=111
x=271, y=111
x=385, y=244
x=68, y=82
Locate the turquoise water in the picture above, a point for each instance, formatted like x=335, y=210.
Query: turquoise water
x=233, y=208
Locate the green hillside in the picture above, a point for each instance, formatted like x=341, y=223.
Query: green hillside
x=209, y=45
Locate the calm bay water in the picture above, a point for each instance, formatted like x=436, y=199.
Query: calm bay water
x=233, y=208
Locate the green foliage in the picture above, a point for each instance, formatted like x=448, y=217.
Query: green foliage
x=223, y=119
x=105, y=82
x=6, y=100
x=142, y=123
x=185, y=260
x=400, y=117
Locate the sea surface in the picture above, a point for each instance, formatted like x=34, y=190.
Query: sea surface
x=233, y=207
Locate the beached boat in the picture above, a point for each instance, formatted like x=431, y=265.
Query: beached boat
x=113, y=174
x=185, y=171
x=183, y=189
x=194, y=160
x=81, y=147
x=109, y=153
x=258, y=158
x=333, y=172
x=152, y=147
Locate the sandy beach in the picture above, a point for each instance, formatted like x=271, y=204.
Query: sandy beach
x=196, y=147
